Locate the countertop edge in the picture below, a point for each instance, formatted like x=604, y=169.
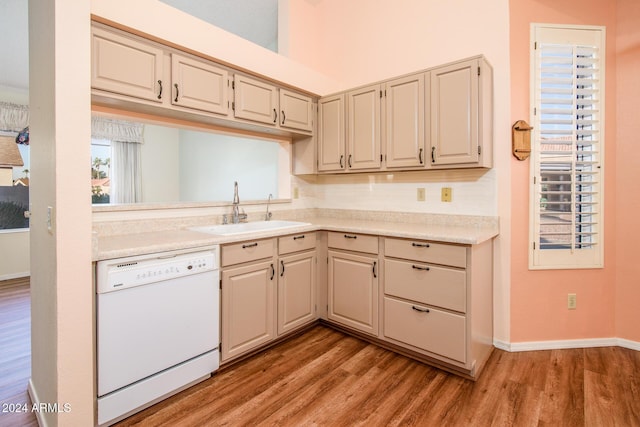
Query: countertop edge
x=119, y=246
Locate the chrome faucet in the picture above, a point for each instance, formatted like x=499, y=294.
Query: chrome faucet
x=236, y=216
x=267, y=216
x=236, y=202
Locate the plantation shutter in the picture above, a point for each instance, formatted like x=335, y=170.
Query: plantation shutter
x=567, y=147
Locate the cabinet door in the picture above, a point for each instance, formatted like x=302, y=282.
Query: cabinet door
x=126, y=66
x=353, y=291
x=296, y=291
x=296, y=111
x=200, y=85
x=248, y=302
x=363, y=134
x=255, y=100
x=331, y=134
x=405, y=131
x=454, y=114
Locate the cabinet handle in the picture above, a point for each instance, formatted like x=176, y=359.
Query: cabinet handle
x=273, y=271
x=250, y=245
x=348, y=236
x=298, y=237
x=160, y=94
x=349, y=160
x=433, y=154
x=177, y=92
x=375, y=274
x=282, y=265
x=341, y=158
x=420, y=245
x=417, y=267
x=275, y=115
x=283, y=117
x=421, y=310
x=420, y=156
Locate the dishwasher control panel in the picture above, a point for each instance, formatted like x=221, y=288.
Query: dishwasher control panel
x=117, y=274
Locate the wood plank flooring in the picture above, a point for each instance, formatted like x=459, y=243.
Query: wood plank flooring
x=326, y=378
x=15, y=351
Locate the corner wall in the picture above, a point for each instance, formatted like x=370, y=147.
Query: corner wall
x=539, y=298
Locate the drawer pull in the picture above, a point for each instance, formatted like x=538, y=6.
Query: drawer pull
x=417, y=267
x=298, y=237
x=420, y=245
x=347, y=236
x=375, y=274
x=282, y=265
x=421, y=310
x=250, y=245
x=273, y=271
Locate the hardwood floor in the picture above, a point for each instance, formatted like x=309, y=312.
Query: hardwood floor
x=326, y=378
x=15, y=352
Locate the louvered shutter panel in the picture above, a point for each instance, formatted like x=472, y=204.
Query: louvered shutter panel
x=567, y=147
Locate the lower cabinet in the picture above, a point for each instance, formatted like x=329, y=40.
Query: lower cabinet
x=353, y=282
x=248, y=302
x=296, y=291
x=268, y=289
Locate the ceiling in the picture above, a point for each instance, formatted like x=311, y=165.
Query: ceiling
x=254, y=20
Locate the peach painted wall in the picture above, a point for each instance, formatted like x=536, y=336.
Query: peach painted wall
x=539, y=298
x=627, y=171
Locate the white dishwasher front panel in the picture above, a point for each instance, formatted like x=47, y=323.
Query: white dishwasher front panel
x=146, y=329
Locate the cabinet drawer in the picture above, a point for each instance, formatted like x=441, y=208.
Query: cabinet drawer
x=354, y=242
x=246, y=251
x=296, y=243
x=427, y=284
x=419, y=250
x=426, y=328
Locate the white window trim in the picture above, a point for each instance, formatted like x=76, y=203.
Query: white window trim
x=550, y=259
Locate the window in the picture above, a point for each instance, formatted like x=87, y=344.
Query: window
x=567, y=71
x=100, y=170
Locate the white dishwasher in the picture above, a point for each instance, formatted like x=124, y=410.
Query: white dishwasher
x=158, y=328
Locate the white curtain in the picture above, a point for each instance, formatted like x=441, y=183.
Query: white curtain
x=116, y=130
x=13, y=117
x=126, y=182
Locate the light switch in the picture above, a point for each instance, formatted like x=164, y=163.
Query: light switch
x=420, y=195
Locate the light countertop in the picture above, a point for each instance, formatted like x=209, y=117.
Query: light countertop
x=117, y=246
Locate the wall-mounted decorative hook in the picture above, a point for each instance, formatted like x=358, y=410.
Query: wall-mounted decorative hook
x=521, y=139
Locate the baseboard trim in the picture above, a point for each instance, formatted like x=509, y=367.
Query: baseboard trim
x=35, y=400
x=15, y=275
x=566, y=344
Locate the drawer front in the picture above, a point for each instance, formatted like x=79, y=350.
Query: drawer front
x=419, y=250
x=428, y=284
x=296, y=243
x=250, y=250
x=434, y=331
x=353, y=242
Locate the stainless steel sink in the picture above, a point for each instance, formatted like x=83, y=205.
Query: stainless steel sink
x=248, y=227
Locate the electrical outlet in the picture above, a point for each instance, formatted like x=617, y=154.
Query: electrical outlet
x=296, y=192
x=446, y=194
x=571, y=301
x=421, y=194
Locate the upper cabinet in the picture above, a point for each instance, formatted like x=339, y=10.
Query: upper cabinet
x=405, y=121
x=363, y=128
x=198, y=84
x=140, y=75
x=296, y=111
x=331, y=134
x=255, y=100
x=461, y=115
x=440, y=118
x=126, y=66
